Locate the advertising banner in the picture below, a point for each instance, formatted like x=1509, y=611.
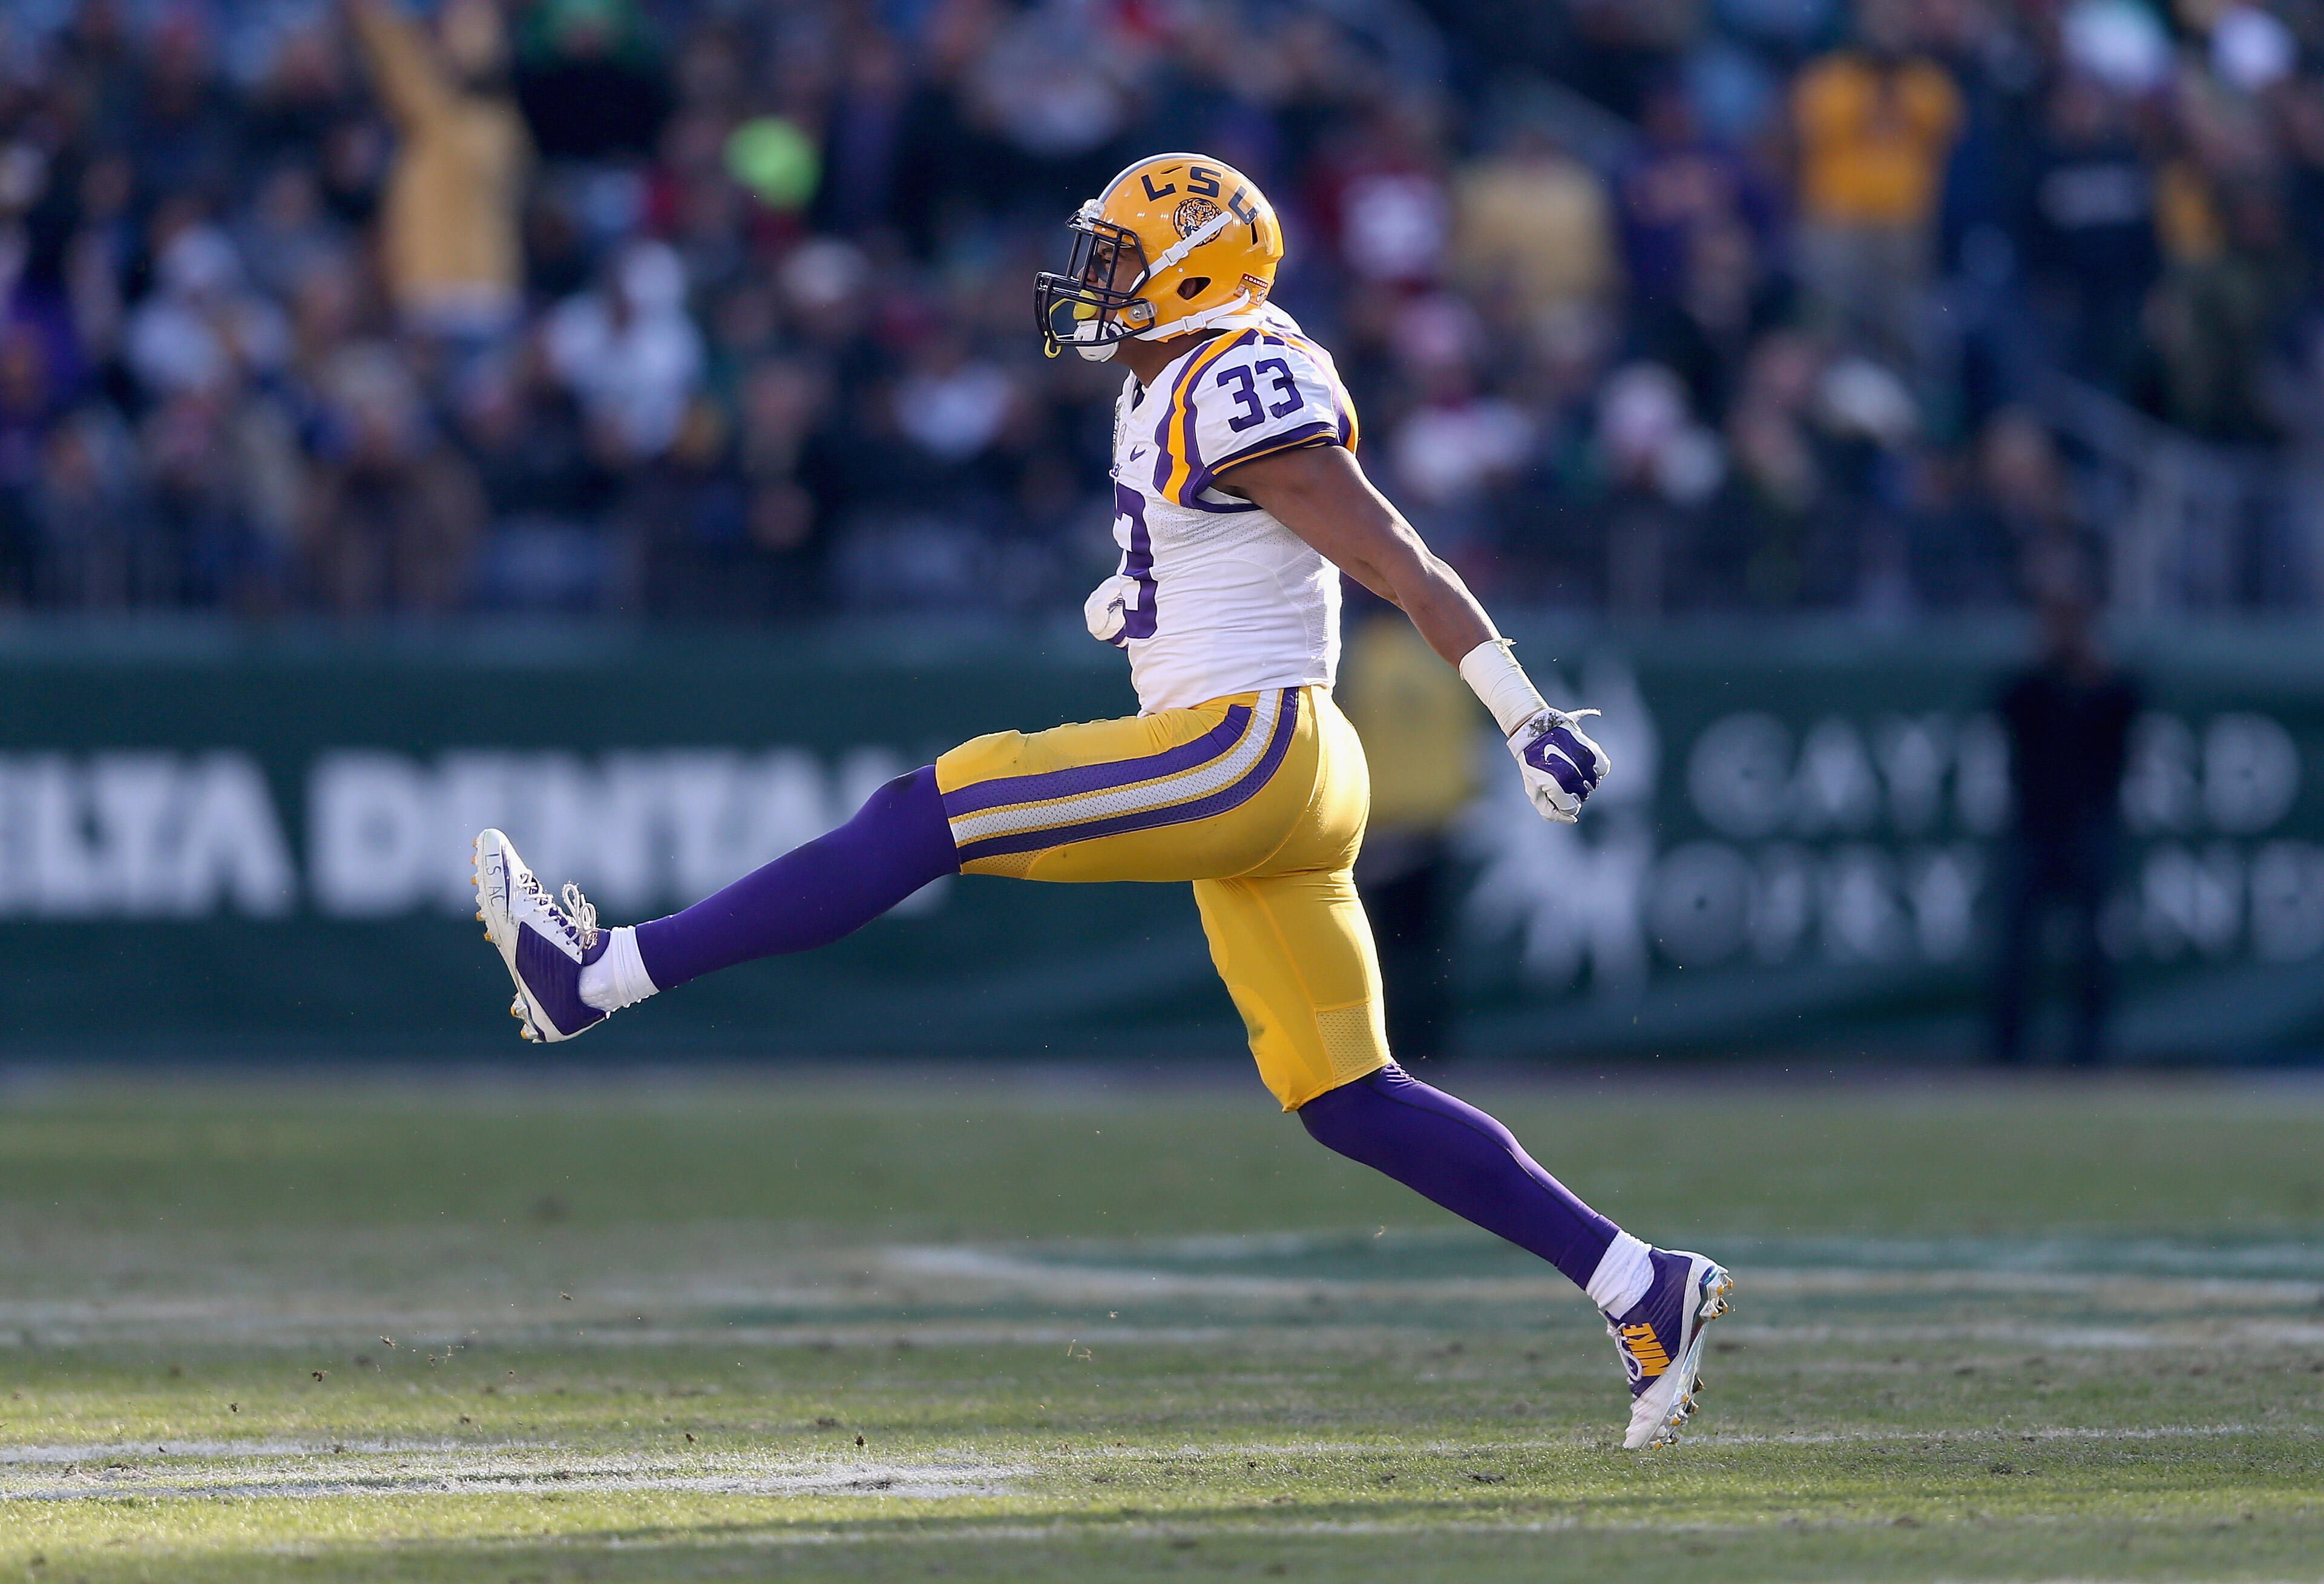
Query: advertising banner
x=259, y=848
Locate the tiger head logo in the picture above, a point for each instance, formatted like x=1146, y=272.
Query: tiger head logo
x=1193, y=214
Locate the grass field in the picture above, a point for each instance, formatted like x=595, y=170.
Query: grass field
x=981, y=1323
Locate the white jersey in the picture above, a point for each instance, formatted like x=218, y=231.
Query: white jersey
x=1213, y=595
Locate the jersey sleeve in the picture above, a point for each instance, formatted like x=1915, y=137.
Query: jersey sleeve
x=1246, y=396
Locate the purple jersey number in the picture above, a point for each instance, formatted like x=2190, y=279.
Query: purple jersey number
x=1254, y=410
x=1242, y=382
x=1285, y=384
x=1137, y=562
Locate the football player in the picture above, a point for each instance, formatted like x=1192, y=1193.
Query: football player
x=1239, y=503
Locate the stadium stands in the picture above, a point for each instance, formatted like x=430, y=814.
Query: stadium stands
x=707, y=311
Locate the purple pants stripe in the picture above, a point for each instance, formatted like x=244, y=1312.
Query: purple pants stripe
x=1075, y=780
x=1242, y=791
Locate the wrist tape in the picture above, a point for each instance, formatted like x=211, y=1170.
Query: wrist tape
x=1493, y=675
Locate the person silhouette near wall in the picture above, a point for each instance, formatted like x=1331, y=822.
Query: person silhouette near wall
x=2068, y=717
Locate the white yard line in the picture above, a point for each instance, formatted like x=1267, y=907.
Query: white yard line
x=293, y=1470
x=1710, y=1435
x=2202, y=1336
x=100, y=1452
x=2002, y=1292
x=1059, y=1279
x=436, y=1470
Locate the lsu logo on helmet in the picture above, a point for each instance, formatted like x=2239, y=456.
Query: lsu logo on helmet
x=1175, y=244
x=1190, y=215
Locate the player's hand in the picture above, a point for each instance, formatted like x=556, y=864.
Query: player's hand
x=1107, y=610
x=1560, y=765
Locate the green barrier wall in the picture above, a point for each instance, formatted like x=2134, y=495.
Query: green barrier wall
x=224, y=846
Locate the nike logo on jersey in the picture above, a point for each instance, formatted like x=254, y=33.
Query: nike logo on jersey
x=1136, y=452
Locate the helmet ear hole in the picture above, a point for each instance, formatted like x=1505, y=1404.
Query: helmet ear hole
x=1193, y=287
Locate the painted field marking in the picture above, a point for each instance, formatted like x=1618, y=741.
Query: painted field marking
x=405, y=1470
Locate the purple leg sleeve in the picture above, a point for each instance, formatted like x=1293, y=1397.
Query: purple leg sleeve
x=1454, y=1154
x=898, y=842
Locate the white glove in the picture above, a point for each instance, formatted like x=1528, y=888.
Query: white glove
x=1560, y=765
x=1106, y=611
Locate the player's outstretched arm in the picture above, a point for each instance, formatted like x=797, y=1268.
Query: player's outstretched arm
x=1320, y=492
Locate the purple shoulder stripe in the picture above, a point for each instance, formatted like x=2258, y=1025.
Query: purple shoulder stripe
x=1182, y=398
x=1322, y=431
x=1164, y=459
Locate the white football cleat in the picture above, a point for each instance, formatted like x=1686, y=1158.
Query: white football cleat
x=1661, y=1342
x=543, y=944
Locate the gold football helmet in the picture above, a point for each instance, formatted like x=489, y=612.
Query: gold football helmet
x=1175, y=244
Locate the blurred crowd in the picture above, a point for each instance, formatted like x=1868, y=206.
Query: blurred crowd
x=720, y=308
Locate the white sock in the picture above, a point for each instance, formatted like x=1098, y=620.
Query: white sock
x=1622, y=1278
x=618, y=978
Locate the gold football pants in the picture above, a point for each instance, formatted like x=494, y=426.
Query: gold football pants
x=1260, y=800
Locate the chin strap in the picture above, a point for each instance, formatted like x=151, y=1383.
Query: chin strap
x=1215, y=226
x=1237, y=306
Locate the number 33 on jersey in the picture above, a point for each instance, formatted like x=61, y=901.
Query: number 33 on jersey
x=1213, y=595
